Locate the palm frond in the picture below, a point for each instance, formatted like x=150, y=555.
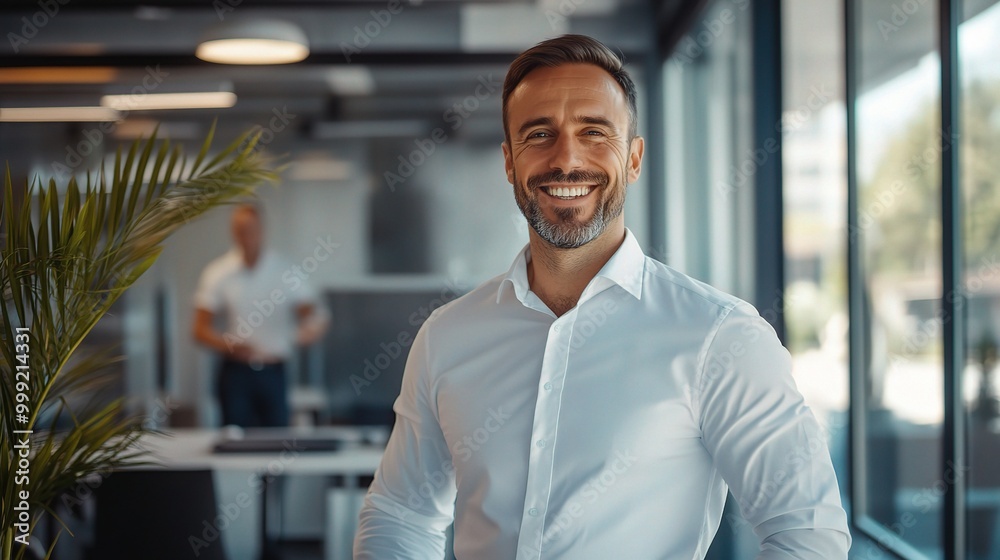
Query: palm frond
x=64, y=261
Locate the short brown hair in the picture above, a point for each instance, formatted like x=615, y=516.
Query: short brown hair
x=570, y=49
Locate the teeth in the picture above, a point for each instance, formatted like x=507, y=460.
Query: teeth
x=569, y=192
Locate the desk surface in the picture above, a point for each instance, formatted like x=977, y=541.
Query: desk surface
x=192, y=449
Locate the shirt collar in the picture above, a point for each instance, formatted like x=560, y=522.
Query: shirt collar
x=625, y=268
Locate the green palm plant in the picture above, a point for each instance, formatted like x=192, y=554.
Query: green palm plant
x=64, y=260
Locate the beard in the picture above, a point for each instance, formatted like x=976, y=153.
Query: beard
x=569, y=231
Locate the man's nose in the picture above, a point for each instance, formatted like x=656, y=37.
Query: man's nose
x=566, y=154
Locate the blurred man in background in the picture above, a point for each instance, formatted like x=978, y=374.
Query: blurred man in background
x=268, y=311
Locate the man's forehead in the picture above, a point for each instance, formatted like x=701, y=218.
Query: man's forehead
x=571, y=76
x=586, y=90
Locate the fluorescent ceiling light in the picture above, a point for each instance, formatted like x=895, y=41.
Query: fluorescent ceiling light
x=59, y=114
x=257, y=41
x=158, y=101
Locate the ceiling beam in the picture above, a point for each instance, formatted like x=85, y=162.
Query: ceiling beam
x=29, y=6
x=435, y=58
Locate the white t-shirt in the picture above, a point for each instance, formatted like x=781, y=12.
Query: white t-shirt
x=259, y=303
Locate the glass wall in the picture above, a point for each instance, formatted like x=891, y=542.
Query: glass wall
x=815, y=213
x=978, y=45
x=902, y=309
x=897, y=233
x=709, y=163
x=710, y=170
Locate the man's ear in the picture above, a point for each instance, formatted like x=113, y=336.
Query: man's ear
x=635, y=151
x=508, y=161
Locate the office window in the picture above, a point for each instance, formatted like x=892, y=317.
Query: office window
x=897, y=237
x=815, y=213
x=709, y=162
x=978, y=44
x=905, y=304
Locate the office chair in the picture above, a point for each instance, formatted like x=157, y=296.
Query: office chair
x=157, y=515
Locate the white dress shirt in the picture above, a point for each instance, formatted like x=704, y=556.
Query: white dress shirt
x=613, y=431
x=259, y=303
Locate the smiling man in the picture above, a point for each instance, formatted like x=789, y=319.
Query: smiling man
x=593, y=403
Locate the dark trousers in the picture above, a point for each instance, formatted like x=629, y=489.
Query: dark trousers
x=253, y=398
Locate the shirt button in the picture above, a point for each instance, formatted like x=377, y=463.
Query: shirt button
x=547, y=386
x=540, y=443
x=533, y=512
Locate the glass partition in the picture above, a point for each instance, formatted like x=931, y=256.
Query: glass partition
x=896, y=234
x=978, y=43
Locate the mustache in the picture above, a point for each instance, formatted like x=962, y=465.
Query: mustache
x=579, y=176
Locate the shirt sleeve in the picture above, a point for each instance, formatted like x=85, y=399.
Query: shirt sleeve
x=767, y=444
x=303, y=291
x=411, y=501
x=208, y=296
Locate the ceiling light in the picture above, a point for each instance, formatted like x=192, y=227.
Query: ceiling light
x=350, y=80
x=58, y=75
x=59, y=114
x=256, y=41
x=158, y=101
x=141, y=127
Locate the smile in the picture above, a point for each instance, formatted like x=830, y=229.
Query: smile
x=568, y=192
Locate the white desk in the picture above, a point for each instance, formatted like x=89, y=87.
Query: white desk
x=192, y=449
x=358, y=457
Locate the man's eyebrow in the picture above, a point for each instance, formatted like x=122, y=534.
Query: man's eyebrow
x=596, y=120
x=533, y=123
x=582, y=119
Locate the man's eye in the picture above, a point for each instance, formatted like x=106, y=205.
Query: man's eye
x=594, y=133
x=539, y=134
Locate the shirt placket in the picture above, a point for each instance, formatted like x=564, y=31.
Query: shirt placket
x=543, y=437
